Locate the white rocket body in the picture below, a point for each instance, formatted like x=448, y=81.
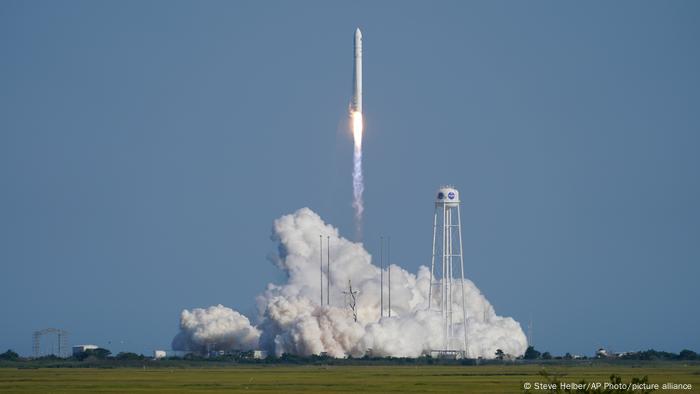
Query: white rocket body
x=356, y=105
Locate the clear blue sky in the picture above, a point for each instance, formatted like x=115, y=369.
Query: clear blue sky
x=146, y=148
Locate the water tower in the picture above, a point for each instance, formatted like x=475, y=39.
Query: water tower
x=446, y=293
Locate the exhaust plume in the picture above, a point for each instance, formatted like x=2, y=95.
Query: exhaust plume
x=290, y=318
x=358, y=186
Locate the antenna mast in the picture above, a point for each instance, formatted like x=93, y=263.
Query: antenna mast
x=328, y=278
x=320, y=253
x=388, y=267
x=381, y=277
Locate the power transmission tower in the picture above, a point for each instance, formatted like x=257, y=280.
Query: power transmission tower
x=351, y=299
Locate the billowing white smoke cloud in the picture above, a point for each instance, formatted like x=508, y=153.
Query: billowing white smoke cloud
x=215, y=328
x=291, y=319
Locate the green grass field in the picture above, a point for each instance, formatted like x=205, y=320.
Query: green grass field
x=325, y=379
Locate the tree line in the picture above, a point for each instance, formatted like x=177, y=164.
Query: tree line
x=246, y=357
x=532, y=354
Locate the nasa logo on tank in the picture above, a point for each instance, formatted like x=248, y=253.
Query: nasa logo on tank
x=440, y=196
x=451, y=195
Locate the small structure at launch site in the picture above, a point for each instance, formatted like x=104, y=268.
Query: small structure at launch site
x=61, y=349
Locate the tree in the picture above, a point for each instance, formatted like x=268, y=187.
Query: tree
x=652, y=354
x=193, y=357
x=568, y=356
x=499, y=354
x=9, y=355
x=531, y=353
x=98, y=353
x=129, y=356
x=686, y=354
x=546, y=356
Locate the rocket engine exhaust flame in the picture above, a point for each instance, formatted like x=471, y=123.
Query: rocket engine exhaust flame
x=357, y=127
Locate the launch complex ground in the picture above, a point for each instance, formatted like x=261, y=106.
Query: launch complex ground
x=505, y=377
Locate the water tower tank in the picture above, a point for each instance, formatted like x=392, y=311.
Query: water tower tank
x=447, y=195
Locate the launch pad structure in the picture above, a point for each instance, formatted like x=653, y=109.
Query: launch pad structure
x=62, y=342
x=443, y=295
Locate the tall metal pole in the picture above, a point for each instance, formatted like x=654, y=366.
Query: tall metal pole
x=328, y=288
x=320, y=253
x=381, y=277
x=388, y=262
x=461, y=264
x=432, y=260
x=36, y=344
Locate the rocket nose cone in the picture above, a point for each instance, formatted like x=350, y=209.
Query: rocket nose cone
x=358, y=33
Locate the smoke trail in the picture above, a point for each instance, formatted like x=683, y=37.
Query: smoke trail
x=291, y=320
x=358, y=186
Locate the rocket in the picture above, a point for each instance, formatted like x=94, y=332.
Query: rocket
x=356, y=105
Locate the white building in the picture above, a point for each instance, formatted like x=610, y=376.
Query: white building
x=77, y=349
x=158, y=354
